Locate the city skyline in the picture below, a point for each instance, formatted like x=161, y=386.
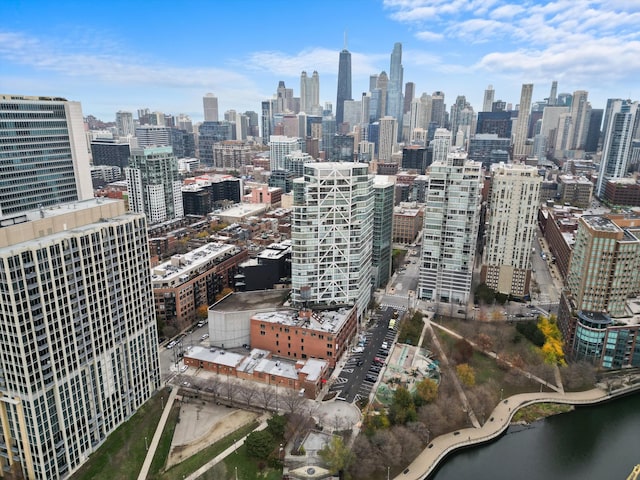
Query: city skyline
x=87, y=53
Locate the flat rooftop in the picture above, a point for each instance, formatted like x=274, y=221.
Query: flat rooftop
x=256, y=300
x=600, y=223
x=180, y=267
x=322, y=320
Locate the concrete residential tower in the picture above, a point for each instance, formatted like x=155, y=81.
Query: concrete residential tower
x=332, y=235
x=513, y=207
x=210, y=104
x=450, y=229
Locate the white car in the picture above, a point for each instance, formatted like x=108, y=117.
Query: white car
x=183, y=368
x=385, y=345
x=204, y=337
x=171, y=344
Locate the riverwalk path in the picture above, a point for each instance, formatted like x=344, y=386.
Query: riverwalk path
x=426, y=463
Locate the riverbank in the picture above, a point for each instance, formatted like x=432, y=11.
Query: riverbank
x=426, y=463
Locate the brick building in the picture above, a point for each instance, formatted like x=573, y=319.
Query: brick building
x=189, y=281
x=304, y=376
x=303, y=334
x=407, y=222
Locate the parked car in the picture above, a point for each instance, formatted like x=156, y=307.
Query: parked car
x=371, y=378
x=204, y=337
x=171, y=344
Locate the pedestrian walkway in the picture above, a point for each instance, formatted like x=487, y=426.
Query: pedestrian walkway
x=499, y=421
x=558, y=388
x=238, y=443
x=144, y=471
x=454, y=378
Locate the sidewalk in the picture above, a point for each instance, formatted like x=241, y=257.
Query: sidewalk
x=144, y=471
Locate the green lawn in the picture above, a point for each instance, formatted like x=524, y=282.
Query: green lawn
x=122, y=454
x=248, y=468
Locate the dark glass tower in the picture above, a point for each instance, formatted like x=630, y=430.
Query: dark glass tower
x=344, y=84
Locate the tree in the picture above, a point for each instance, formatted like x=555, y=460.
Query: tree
x=259, y=444
x=266, y=397
x=426, y=391
x=552, y=348
x=402, y=409
x=292, y=400
x=466, y=374
x=336, y=454
x=462, y=351
x=202, y=312
x=484, y=341
x=276, y=424
x=248, y=392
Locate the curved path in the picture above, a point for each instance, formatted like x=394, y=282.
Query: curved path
x=499, y=421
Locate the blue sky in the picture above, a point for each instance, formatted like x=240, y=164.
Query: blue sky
x=124, y=55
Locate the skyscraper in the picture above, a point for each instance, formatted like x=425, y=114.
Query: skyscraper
x=441, y=144
x=409, y=95
x=153, y=184
x=580, y=115
x=125, y=125
x=438, y=109
x=344, y=84
x=44, y=158
x=513, y=208
x=310, y=93
x=551, y=101
x=383, y=86
x=394, y=93
x=331, y=235
x=79, y=346
x=387, y=138
x=153, y=136
x=616, y=150
x=489, y=94
x=522, y=123
x=210, y=104
x=450, y=229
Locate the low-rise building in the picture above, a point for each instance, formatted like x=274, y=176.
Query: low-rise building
x=575, y=190
x=189, y=281
x=303, y=334
x=305, y=376
x=407, y=222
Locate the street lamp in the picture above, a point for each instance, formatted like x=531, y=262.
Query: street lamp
x=146, y=445
x=501, y=393
x=388, y=468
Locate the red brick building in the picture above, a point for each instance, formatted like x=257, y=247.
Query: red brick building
x=305, y=334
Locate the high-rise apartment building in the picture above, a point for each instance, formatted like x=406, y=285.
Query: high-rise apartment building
x=580, y=115
x=210, y=104
x=450, y=230
x=78, y=339
x=512, y=215
x=125, y=125
x=409, y=95
x=154, y=184
x=332, y=235
x=344, y=84
x=522, y=123
x=616, y=149
x=41, y=166
x=438, y=109
x=383, y=191
x=383, y=87
x=489, y=94
x=551, y=101
x=209, y=134
x=387, y=138
x=280, y=146
x=597, y=318
x=441, y=144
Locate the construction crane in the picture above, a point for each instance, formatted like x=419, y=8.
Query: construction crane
x=635, y=473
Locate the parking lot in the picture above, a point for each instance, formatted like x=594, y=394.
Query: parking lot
x=365, y=365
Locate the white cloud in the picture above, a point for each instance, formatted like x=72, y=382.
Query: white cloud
x=507, y=12
x=429, y=36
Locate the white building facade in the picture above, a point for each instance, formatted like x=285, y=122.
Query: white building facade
x=512, y=214
x=78, y=339
x=450, y=229
x=332, y=235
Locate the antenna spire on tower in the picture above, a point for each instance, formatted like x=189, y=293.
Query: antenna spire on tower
x=345, y=39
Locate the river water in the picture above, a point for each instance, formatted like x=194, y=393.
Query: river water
x=591, y=443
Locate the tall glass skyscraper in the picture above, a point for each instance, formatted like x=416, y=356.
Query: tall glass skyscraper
x=394, y=93
x=344, y=84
